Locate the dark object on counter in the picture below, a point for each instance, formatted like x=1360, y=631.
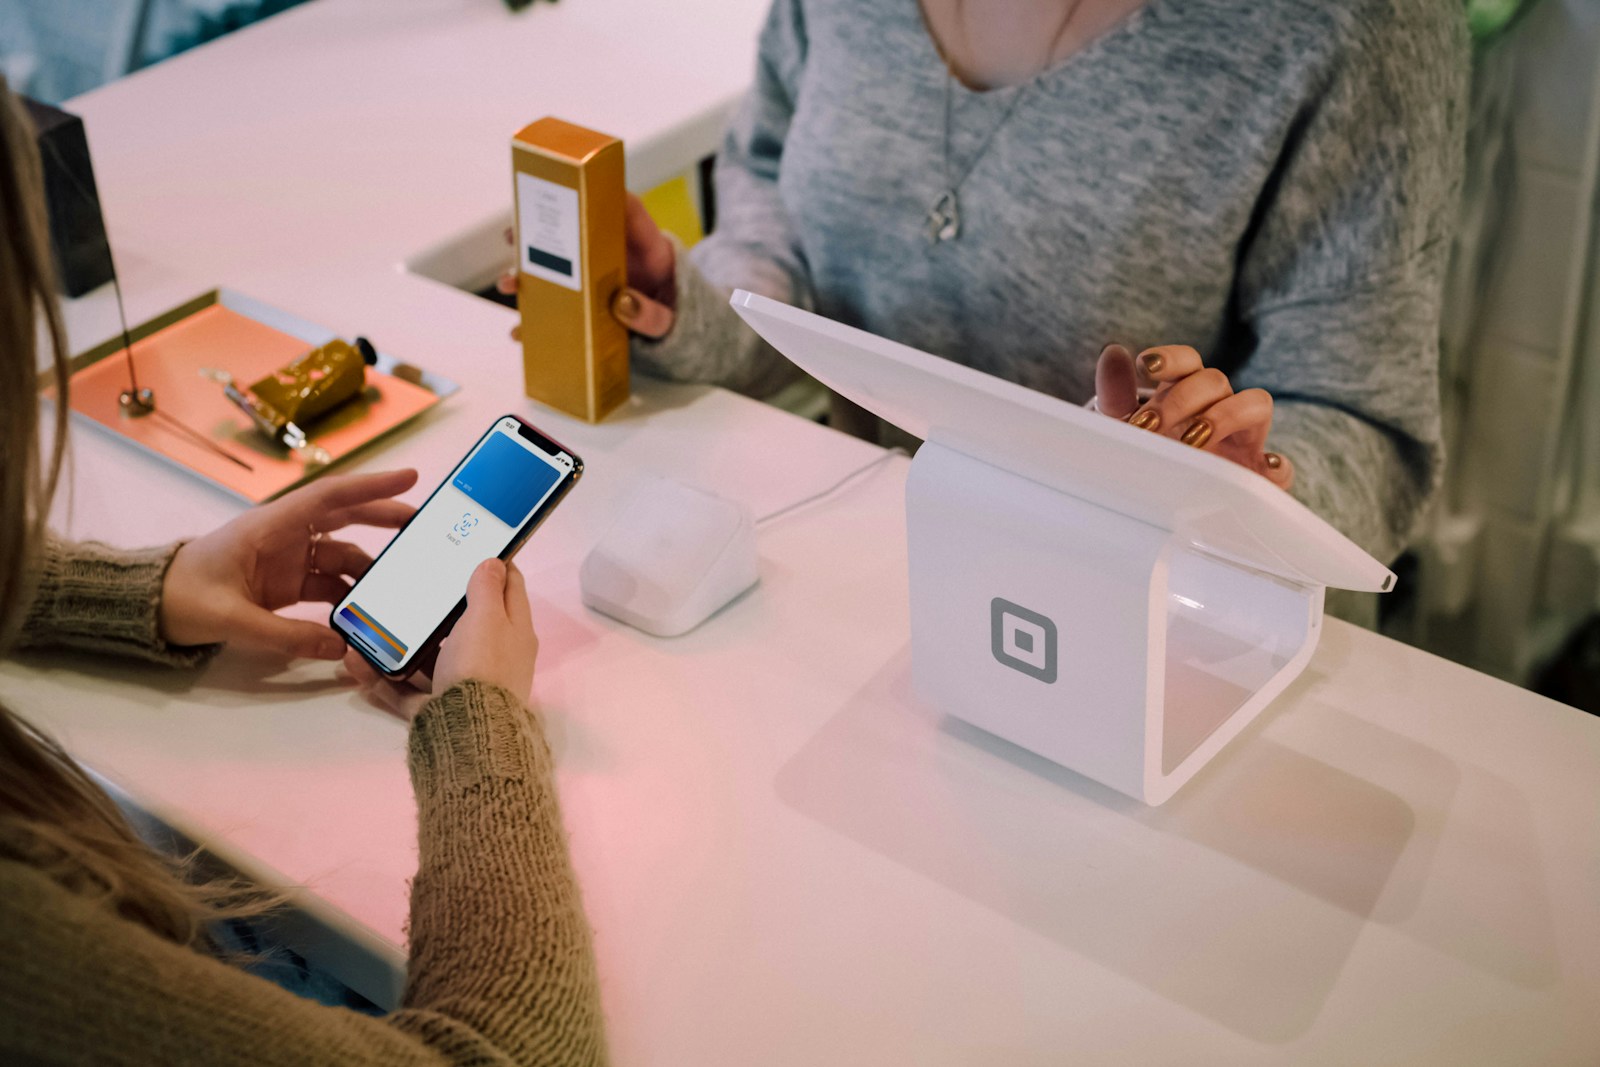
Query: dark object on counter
x=77, y=229
x=1573, y=674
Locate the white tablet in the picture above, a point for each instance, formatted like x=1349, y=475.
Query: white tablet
x=1215, y=504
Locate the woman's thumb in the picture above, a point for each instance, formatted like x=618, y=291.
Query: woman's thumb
x=487, y=589
x=636, y=312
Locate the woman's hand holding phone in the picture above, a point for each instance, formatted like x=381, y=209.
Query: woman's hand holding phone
x=493, y=641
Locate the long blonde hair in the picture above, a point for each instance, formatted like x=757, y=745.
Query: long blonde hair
x=52, y=814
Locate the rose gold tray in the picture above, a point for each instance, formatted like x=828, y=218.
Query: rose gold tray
x=227, y=330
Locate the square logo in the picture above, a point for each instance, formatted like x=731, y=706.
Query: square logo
x=1023, y=640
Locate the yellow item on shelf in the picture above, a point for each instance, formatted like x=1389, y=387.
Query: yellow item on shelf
x=672, y=205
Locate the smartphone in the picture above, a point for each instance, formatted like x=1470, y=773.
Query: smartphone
x=406, y=603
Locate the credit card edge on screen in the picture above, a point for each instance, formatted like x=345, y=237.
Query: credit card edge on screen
x=364, y=646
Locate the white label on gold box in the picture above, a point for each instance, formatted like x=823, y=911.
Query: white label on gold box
x=547, y=231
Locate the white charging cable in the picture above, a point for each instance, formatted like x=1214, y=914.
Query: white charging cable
x=834, y=488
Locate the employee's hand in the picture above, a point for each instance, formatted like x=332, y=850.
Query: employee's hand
x=1191, y=403
x=493, y=642
x=646, y=305
x=227, y=585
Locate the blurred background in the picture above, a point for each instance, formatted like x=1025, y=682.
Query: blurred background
x=53, y=50
x=1505, y=574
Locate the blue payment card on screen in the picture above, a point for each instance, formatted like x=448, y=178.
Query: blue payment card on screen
x=506, y=479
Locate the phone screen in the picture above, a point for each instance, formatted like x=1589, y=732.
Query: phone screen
x=501, y=486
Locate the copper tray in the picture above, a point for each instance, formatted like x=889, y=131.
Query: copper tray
x=228, y=330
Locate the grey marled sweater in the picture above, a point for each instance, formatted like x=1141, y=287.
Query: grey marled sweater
x=1273, y=183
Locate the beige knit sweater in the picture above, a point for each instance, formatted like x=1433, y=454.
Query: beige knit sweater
x=502, y=970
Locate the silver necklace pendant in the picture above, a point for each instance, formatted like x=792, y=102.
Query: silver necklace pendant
x=944, y=218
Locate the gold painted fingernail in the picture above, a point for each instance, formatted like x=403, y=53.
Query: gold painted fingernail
x=1148, y=419
x=625, y=306
x=1198, y=433
x=1152, y=362
x=1274, y=460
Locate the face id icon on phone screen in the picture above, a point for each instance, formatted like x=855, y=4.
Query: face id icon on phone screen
x=465, y=525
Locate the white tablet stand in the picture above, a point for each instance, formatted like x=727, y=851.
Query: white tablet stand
x=1108, y=598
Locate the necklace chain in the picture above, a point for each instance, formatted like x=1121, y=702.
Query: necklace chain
x=944, y=217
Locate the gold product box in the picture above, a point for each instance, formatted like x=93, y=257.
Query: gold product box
x=571, y=261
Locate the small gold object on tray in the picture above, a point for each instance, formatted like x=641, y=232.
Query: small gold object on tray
x=296, y=395
x=311, y=401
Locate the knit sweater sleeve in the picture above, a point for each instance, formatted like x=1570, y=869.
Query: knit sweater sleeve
x=96, y=598
x=501, y=967
x=1339, y=285
x=754, y=246
x=500, y=946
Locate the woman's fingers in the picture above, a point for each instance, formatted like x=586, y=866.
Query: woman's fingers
x=1116, y=384
x=486, y=591
x=517, y=608
x=651, y=269
x=1278, y=469
x=1196, y=405
x=651, y=263
x=255, y=627
x=641, y=315
x=324, y=588
x=339, y=557
x=1174, y=407
x=340, y=491
x=399, y=699
x=1240, y=422
x=359, y=669
x=1168, y=363
x=506, y=283
x=422, y=668
x=365, y=675
x=388, y=514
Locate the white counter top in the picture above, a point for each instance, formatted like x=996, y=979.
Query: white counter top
x=785, y=860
